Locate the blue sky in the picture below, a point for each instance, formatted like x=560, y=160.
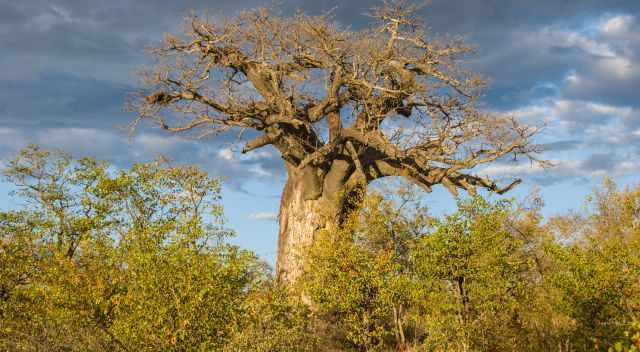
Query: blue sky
x=573, y=66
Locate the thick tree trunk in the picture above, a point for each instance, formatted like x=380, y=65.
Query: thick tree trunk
x=310, y=202
x=300, y=220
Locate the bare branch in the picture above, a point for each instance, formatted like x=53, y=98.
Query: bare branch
x=294, y=78
x=261, y=141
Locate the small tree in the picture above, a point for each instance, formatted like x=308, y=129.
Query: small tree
x=362, y=278
x=477, y=277
x=343, y=108
x=597, y=267
x=129, y=260
x=394, y=278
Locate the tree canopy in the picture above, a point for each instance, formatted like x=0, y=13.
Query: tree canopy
x=342, y=107
x=282, y=76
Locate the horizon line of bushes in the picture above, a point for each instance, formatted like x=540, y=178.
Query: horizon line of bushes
x=137, y=260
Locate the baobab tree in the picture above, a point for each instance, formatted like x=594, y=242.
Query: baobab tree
x=343, y=108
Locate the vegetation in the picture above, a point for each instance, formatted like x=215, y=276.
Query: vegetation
x=127, y=260
x=490, y=277
x=134, y=260
x=343, y=108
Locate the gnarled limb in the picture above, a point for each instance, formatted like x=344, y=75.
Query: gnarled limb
x=343, y=108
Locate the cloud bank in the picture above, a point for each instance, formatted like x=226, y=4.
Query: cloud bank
x=572, y=66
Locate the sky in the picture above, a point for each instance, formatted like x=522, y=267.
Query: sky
x=572, y=66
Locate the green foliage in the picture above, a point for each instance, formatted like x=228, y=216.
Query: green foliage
x=474, y=274
x=630, y=342
x=274, y=320
x=598, y=270
x=490, y=277
x=136, y=260
x=360, y=277
x=131, y=260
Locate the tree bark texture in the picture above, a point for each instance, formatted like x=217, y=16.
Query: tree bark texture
x=299, y=220
x=288, y=78
x=311, y=201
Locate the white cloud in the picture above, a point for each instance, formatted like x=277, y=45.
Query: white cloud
x=226, y=154
x=510, y=169
x=616, y=25
x=562, y=38
x=613, y=77
x=561, y=169
x=532, y=114
x=628, y=167
x=257, y=155
x=576, y=112
x=79, y=141
x=608, y=134
x=259, y=171
x=585, y=112
x=573, y=78
x=263, y=216
x=158, y=144
x=619, y=67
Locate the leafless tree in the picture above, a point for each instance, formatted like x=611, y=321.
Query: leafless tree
x=343, y=108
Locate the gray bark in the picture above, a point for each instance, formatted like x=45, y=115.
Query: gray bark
x=312, y=201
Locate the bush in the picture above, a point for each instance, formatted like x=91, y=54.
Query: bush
x=136, y=260
x=125, y=260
